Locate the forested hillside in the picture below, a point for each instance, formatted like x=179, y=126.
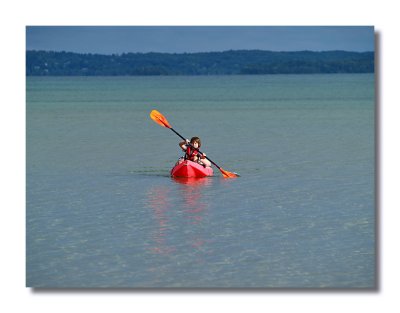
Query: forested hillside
x=48, y=63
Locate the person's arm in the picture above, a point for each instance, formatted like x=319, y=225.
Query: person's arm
x=183, y=144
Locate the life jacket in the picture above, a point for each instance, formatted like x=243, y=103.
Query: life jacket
x=189, y=154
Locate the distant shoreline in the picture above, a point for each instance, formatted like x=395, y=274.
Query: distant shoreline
x=233, y=62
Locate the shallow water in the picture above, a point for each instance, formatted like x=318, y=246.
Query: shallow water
x=102, y=210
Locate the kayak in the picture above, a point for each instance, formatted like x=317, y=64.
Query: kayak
x=186, y=168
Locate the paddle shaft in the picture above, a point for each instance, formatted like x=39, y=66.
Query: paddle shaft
x=195, y=148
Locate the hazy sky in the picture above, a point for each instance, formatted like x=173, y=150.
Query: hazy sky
x=118, y=39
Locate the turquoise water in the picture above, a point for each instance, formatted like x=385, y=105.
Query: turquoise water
x=102, y=210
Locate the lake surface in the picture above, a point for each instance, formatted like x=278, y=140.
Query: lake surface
x=102, y=210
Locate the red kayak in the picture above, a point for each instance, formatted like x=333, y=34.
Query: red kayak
x=186, y=168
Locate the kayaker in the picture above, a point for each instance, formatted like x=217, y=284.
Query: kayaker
x=192, y=154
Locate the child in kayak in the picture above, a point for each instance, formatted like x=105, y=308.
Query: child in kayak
x=192, y=154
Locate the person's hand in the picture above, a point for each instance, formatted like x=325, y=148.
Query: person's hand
x=203, y=156
x=187, y=141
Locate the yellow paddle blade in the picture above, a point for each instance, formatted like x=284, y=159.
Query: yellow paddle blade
x=159, y=119
x=227, y=174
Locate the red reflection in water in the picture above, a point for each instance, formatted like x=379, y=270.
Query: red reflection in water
x=167, y=218
x=192, y=196
x=157, y=198
x=192, y=181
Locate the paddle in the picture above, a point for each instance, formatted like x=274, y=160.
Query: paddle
x=161, y=120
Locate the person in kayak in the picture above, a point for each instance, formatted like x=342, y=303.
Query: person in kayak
x=192, y=154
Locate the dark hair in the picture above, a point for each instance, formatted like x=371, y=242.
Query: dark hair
x=195, y=139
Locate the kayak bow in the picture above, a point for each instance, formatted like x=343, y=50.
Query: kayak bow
x=186, y=168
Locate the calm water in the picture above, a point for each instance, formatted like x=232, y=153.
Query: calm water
x=102, y=210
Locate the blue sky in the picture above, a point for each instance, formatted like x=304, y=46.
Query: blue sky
x=179, y=39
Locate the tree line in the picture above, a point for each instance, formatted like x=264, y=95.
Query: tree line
x=234, y=62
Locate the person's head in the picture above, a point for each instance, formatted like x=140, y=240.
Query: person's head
x=196, y=142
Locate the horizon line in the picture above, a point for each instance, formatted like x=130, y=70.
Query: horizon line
x=199, y=52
